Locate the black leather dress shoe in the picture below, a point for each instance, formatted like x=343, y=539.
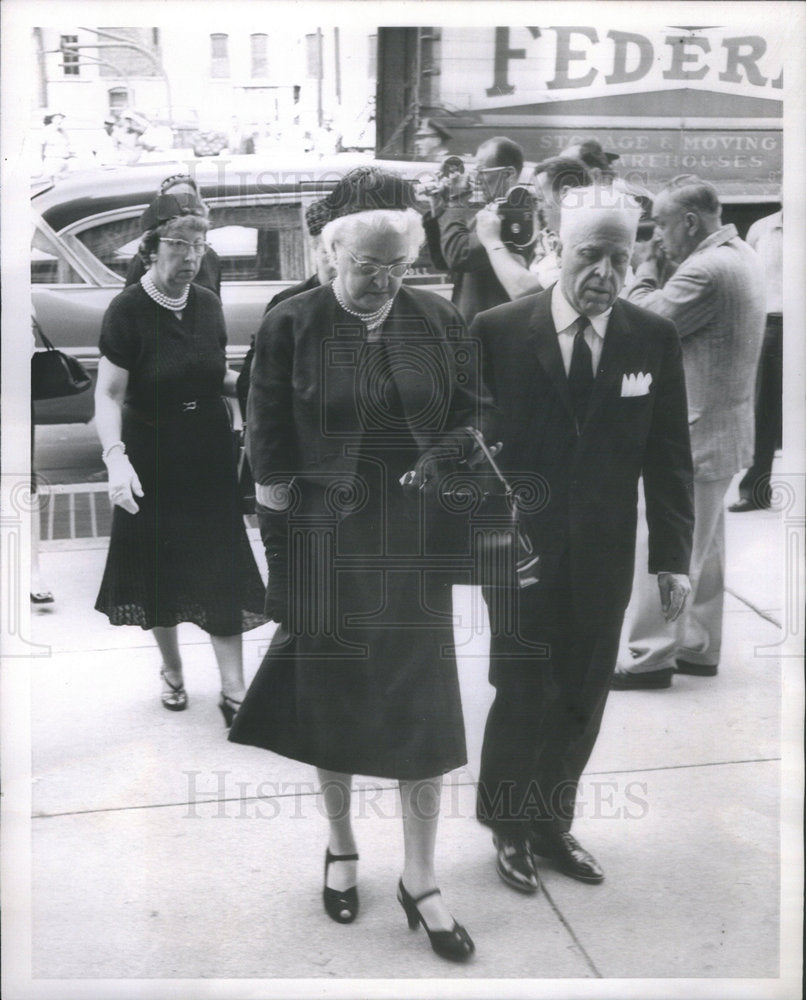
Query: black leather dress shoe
x=515, y=864
x=746, y=504
x=696, y=669
x=650, y=680
x=567, y=854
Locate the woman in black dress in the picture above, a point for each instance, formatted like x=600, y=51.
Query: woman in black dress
x=354, y=385
x=178, y=550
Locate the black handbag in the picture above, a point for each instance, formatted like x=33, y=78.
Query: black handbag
x=55, y=374
x=502, y=553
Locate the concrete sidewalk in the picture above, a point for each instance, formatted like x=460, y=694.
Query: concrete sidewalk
x=161, y=851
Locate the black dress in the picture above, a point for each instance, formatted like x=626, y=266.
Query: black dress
x=185, y=555
x=363, y=679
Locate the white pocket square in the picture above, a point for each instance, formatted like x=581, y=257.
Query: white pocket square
x=636, y=385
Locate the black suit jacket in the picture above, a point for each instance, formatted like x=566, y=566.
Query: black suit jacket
x=475, y=285
x=581, y=513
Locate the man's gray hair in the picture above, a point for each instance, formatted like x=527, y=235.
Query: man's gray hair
x=349, y=229
x=597, y=202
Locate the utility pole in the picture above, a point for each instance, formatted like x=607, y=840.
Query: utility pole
x=319, y=74
x=337, y=60
x=397, y=92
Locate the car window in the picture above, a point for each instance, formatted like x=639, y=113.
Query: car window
x=113, y=243
x=423, y=271
x=49, y=265
x=258, y=242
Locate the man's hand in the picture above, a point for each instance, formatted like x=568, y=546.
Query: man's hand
x=488, y=226
x=674, y=589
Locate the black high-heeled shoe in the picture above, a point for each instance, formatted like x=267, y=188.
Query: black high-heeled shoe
x=229, y=708
x=341, y=905
x=455, y=944
x=176, y=698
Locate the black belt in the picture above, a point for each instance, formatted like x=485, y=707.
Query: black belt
x=175, y=410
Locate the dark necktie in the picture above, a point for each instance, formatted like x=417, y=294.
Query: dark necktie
x=580, y=373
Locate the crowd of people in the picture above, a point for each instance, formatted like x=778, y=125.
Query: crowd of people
x=573, y=359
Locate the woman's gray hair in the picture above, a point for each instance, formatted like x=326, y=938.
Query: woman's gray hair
x=348, y=229
x=151, y=238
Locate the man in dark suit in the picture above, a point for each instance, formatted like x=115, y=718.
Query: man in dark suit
x=592, y=395
x=499, y=162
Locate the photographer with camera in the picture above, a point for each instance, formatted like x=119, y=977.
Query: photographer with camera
x=451, y=184
x=499, y=162
x=525, y=269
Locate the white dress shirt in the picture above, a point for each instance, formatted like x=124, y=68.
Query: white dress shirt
x=565, y=317
x=766, y=237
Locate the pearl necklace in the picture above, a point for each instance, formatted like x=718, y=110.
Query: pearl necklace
x=370, y=320
x=175, y=305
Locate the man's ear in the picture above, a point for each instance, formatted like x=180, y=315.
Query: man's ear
x=559, y=250
x=692, y=223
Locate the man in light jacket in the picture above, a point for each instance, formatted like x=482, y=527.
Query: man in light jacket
x=716, y=300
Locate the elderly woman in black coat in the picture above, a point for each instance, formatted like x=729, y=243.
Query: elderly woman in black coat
x=357, y=387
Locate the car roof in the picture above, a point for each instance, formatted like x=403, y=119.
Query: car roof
x=92, y=192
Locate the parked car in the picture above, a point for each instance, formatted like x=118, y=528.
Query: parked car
x=87, y=227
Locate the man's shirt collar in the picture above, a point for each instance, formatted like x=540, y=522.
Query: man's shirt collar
x=564, y=314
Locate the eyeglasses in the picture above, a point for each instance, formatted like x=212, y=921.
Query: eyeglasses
x=368, y=268
x=199, y=247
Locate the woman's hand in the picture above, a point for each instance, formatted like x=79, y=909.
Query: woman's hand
x=454, y=448
x=124, y=483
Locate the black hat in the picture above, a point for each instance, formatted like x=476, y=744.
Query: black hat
x=169, y=206
x=368, y=189
x=317, y=216
x=591, y=153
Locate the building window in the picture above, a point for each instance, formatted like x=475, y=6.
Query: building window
x=372, y=66
x=260, y=55
x=118, y=98
x=219, y=56
x=69, y=55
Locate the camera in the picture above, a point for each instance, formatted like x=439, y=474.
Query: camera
x=452, y=165
x=435, y=186
x=517, y=212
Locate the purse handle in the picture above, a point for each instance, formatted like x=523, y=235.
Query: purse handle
x=41, y=333
x=478, y=437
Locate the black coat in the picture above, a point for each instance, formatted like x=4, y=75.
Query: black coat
x=304, y=411
x=245, y=374
x=475, y=285
x=362, y=677
x=583, y=486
